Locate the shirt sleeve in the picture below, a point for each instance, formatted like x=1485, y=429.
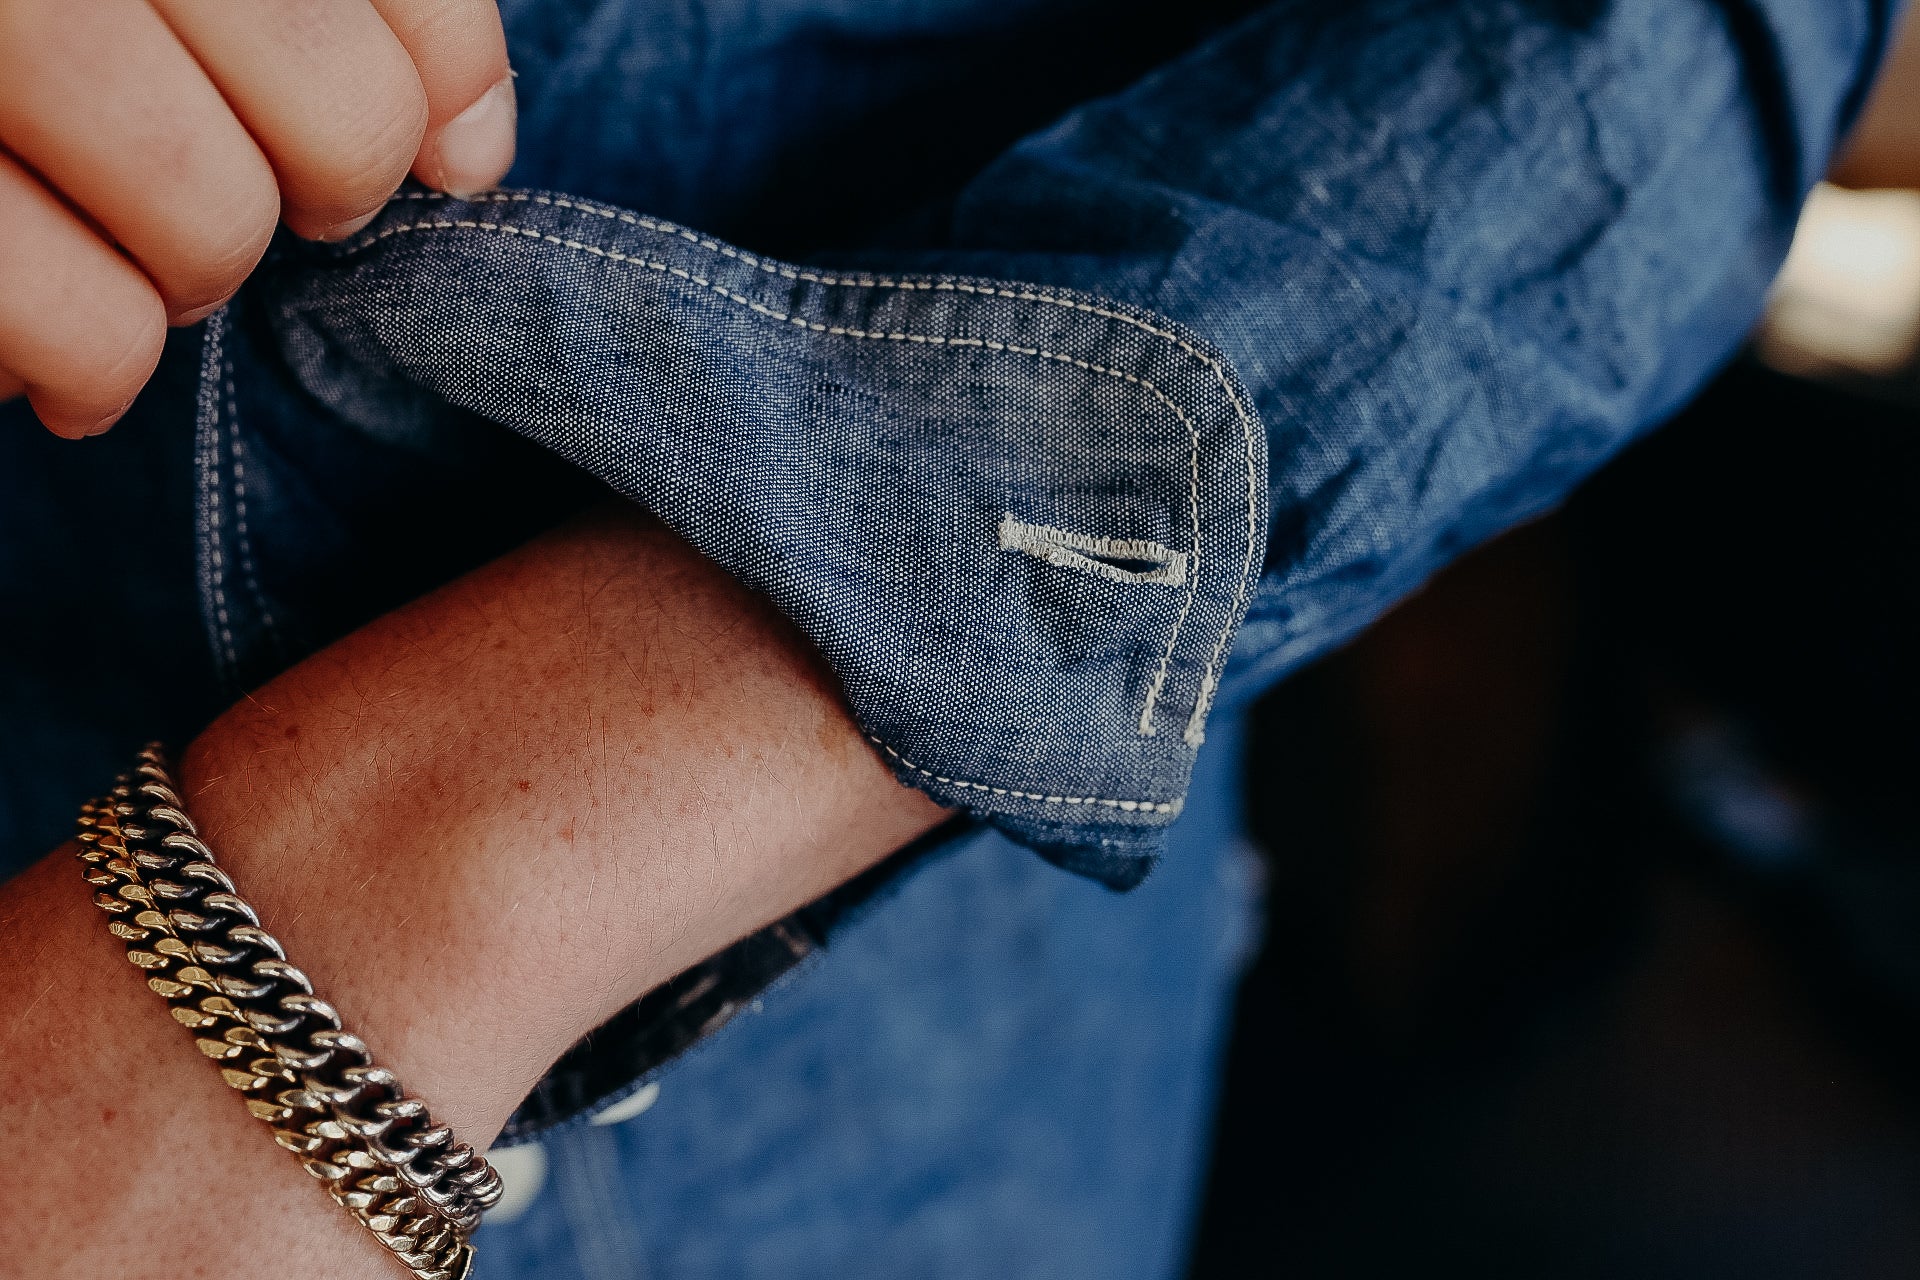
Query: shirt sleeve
x=1177, y=394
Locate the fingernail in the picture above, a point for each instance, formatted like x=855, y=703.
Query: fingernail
x=198, y=314
x=341, y=230
x=104, y=425
x=476, y=147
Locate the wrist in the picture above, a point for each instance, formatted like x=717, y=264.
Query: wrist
x=481, y=825
x=487, y=822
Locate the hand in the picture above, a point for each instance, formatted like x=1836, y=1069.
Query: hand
x=148, y=147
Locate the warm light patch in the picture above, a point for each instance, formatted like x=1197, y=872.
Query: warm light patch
x=1848, y=298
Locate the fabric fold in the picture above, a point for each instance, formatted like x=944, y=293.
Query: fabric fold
x=853, y=446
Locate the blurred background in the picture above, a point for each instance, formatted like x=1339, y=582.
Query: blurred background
x=1593, y=941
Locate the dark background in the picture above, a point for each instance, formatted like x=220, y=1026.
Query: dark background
x=1593, y=944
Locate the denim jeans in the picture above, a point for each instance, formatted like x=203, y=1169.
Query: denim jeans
x=1068, y=373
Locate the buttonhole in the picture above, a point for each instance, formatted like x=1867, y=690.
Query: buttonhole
x=1129, y=560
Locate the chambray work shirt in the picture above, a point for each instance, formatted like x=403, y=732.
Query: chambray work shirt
x=1257, y=340
x=1068, y=372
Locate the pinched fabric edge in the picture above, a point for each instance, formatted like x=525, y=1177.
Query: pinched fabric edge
x=1051, y=812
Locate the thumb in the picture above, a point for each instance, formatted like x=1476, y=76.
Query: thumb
x=460, y=52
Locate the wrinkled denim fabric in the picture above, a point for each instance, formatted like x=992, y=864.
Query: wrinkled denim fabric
x=1021, y=524
x=1011, y=473
x=1245, y=314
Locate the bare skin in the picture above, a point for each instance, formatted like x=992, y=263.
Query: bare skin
x=149, y=147
x=483, y=824
x=1884, y=148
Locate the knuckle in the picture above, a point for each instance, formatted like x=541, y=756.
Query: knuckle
x=431, y=21
x=111, y=361
x=216, y=247
x=461, y=38
x=370, y=154
x=128, y=352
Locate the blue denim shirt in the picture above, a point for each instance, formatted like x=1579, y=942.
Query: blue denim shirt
x=1068, y=372
x=1399, y=274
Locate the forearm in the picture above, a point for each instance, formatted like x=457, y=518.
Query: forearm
x=482, y=824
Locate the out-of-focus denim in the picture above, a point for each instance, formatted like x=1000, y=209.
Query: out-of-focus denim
x=1025, y=354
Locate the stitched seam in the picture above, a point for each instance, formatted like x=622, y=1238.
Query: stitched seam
x=1146, y=727
x=1210, y=681
x=207, y=458
x=1068, y=550
x=1130, y=806
x=243, y=535
x=1195, y=732
x=937, y=340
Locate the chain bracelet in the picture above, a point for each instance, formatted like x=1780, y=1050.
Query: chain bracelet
x=347, y=1120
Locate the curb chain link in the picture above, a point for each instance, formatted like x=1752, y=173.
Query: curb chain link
x=347, y=1120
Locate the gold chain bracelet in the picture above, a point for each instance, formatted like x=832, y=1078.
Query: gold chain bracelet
x=376, y=1150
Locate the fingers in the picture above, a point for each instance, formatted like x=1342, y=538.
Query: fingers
x=81, y=328
x=149, y=147
x=103, y=102
x=327, y=90
x=460, y=53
